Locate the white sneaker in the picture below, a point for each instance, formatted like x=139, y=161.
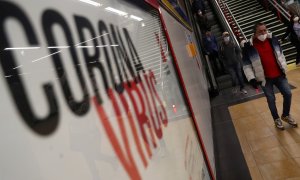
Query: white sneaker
x=243, y=91
x=278, y=124
x=289, y=120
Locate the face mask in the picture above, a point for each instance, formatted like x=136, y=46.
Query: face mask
x=226, y=39
x=243, y=43
x=296, y=19
x=262, y=37
x=200, y=13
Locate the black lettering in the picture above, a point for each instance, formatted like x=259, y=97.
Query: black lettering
x=92, y=60
x=116, y=52
x=117, y=86
x=42, y=126
x=133, y=52
x=50, y=18
x=124, y=58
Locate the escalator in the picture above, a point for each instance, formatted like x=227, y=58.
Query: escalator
x=248, y=12
x=217, y=29
x=245, y=13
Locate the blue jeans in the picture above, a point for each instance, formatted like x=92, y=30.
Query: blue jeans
x=282, y=84
x=235, y=72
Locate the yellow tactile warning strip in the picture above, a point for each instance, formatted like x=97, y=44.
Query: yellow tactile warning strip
x=270, y=153
x=292, y=66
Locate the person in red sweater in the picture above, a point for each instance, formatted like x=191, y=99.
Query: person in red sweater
x=264, y=64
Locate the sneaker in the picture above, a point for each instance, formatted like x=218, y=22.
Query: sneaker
x=243, y=91
x=278, y=124
x=289, y=120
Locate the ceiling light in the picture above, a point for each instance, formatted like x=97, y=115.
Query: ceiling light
x=58, y=47
x=21, y=48
x=121, y=13
x=91, y=2
x=136, y=18
x=85, y=46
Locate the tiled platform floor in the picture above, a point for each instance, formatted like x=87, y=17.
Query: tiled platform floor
x=270, y=153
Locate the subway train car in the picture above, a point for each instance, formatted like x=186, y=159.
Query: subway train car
x=102, y=89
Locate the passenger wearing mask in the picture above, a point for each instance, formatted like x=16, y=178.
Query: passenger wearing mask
x=198, y=9
x=293, y=30
x=264, y=64
x=211, y=49
x=230, y=55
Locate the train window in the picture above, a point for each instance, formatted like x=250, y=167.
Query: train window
x=87, y=87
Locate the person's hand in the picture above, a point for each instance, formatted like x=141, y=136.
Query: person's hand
x=254, y=83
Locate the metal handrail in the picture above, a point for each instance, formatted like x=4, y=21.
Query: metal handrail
x=236, y=23
x=224, y=20
x=280, y=9
x=210, y=70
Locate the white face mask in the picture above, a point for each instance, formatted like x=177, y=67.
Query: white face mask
x=200, y=13
x=296, y=19
x=262, y=37
x=243, y=43
x=226, y=39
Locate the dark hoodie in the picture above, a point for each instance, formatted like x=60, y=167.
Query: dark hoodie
x=230, y=54
x=290, y=31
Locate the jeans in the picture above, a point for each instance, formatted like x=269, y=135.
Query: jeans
x=282, y=84
x=235, y=72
